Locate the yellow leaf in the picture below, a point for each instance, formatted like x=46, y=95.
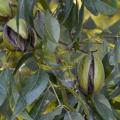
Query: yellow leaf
x=50, y=107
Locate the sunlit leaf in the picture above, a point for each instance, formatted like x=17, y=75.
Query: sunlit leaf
x=50, y=107
x=52, y=115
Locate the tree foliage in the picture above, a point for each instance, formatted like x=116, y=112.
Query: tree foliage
x=41, y=56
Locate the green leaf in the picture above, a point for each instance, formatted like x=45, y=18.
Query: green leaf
x=67, y=79
x=115, y=92
x=117, y=115
x=37, y=84
x=52, y=115
x=52, y=28
x=25, y=11
x=40, y=86
x=26, y=116
x=22, y=60
x=39, y=23
x=52, y=31
x=3, y=94
x=107, y=67
x=19, y=108
x=103, y=107
x=32, y=64
x=112, y=3
x=71, y=22
x=97, y=117
x=81, y=100
x=117, y=50
x=67, y=9
x=98, y=6
x=5, y=110
x=112, y=30
x=18, y=15
x=104, y=8
x=44, y=4
x=73, y=116
x=89, y=24
x=38, y=106
x=5, y=8
x=51, y=46
x=80, y=19
x=90, y=5
x=5, y=77
x=31, y=4
x=13, y=94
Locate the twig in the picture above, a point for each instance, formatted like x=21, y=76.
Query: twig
x=55, y=93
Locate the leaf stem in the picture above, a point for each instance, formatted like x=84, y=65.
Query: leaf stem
x=55, y=93
x=84, y=105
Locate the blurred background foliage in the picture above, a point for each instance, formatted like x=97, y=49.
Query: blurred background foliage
x=39, y=81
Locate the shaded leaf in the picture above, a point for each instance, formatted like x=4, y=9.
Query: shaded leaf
x=117, y=49
x=117, y=115
x=25, y=11
x=26, y=116
x=52, y=32
x=89, y=24
x=19, y=108
x=73, y=116
x=5, y=77
x=44, y=4
x=90, y=5
x=67, y=9
x=68, y=79
x=103, y=107
x=31, y=92
x=114, y=29
x=40, y=86
x=115, y=92
x=3, y=94
x=104, y=8
x=22, y=60
x=107, y=67
x=52, y=28
x=39, y=23
x=5, y=109
x=13, y=94
x=38, y=107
